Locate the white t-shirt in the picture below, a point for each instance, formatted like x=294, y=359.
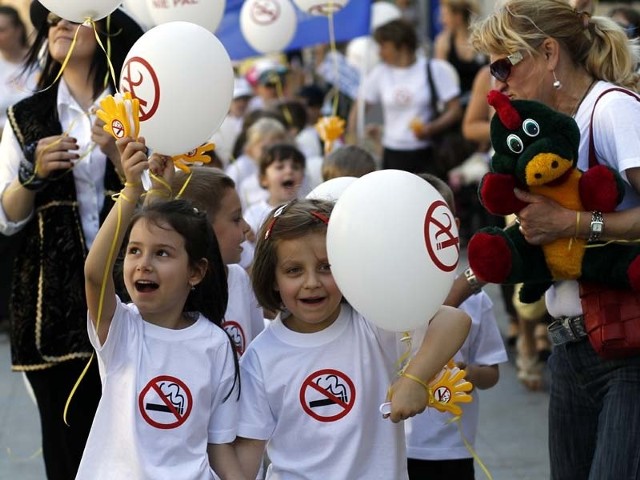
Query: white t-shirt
x=243, y=319
x=617, y=145
x=430, y=435
x=250, y=191
x=243, y=167
x=316, y=398
x=162, y=400
x=256, y=214
x=405, y=95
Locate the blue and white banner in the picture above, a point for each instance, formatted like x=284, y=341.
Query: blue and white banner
x=350, y=22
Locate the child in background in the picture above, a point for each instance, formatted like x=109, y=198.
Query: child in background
x=244, y=170
x=347, y=161
x=435, y=448
x=281, y=175
x=312, y=383
x=169, y=373
x=213, y=192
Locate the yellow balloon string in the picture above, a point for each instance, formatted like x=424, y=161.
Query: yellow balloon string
x=103, y=288
x=66, y=58
x=184, y=186
x=280, y=93
x=457, y=419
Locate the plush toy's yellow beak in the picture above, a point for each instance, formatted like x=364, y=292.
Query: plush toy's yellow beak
x=545, y=168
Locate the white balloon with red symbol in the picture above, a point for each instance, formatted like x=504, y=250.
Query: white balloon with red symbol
x=393, y=247
x=268, y=25
x=206, y=13
x=321, y=7
x=80, y=10
x=182, y=76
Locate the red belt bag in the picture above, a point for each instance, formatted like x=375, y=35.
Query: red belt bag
x=612, y=320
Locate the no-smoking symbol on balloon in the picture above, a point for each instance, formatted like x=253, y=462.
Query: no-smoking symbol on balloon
x=265, y=12
x=441, y=236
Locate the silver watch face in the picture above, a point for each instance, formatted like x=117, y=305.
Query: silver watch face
x=596, y=227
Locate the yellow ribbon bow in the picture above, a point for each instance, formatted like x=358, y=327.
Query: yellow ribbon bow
x=120, y=114
x=330, y=129
x=197, y=156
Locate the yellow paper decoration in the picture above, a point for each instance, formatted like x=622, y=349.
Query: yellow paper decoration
x=120, y=114
x=330, y=129
x=196, y=156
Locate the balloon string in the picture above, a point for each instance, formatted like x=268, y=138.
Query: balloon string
x=107, y=53
x=285, y=109
x=184, y=186
x=66, y=58
x=334, y=53
x=457, y=419
x=103, y=289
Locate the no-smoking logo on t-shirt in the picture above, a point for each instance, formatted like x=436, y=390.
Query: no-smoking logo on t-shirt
x=327, y=395
x=165, y=402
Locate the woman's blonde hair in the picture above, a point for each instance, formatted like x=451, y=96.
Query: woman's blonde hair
x=265, y=128
x=596, y=43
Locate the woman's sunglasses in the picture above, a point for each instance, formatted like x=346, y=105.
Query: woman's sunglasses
x=501, y=69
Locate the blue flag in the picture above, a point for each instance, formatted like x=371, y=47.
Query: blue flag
x=350, y=22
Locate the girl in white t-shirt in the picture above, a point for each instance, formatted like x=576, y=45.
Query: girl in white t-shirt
x=169, y=373
x=312, y=382
x=212, y=191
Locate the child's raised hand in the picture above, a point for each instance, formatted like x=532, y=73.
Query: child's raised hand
x=162, y=172
x=133, y=155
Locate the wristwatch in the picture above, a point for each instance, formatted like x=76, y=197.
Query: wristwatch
x=596, y=226
x=472, y=281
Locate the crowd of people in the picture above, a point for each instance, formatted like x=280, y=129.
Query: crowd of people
x=208, y=299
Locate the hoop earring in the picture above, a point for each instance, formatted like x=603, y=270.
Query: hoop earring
x=556, y=83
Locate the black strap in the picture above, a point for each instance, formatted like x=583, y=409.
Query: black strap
x=432, y=88
x=592, y=155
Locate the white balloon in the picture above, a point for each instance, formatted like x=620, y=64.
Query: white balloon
x=268, y=25
x=393, y=247
x=321, y=7
x=331, y=189
x=79, y=10
x=183, y=78
x=206, y=13
x=138, y=9
x=383, y=12
x=362, y=53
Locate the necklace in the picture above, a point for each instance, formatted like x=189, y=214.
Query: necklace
x=584, y=95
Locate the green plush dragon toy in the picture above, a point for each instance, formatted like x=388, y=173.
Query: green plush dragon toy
x=536, y=149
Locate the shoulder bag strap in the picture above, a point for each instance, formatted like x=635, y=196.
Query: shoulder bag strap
x=592, y=151
x=432, y=88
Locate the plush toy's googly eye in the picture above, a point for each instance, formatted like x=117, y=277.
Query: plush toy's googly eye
x=531, y=127
x=514, y=143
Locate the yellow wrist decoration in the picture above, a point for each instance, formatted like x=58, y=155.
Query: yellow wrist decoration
x=132, y=185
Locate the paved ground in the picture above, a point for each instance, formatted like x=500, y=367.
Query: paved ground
x=512, y=437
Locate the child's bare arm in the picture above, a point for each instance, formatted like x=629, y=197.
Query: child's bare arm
x=250, y=452
x=482, y=376
x=224, y=461
x=447, y=331
x=98, y=267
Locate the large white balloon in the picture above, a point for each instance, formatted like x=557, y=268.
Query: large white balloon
x=332, y=189
x=183, y=78
x=383, y=12
x=268, y=25
x=321, y=7
x=393, y=247
x=206, y=13
x=140, y=11
x=79, y=10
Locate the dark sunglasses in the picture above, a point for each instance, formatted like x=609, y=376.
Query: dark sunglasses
x=501, y=69
x=53, y=20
